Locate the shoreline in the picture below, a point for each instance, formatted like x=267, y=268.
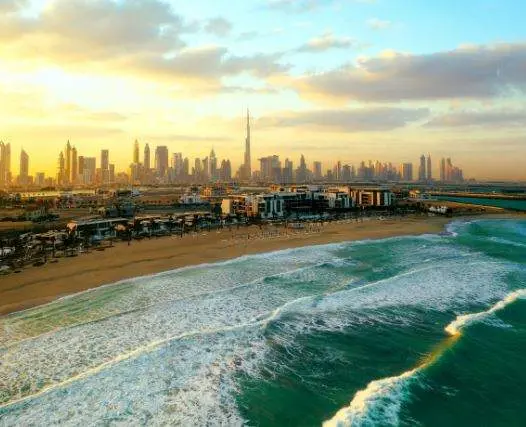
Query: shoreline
x=41, y=285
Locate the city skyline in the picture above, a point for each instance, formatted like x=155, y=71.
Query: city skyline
x=345, y=80
x=76, y=169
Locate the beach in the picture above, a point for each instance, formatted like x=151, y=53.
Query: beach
x=39, y=285
x=418, y=329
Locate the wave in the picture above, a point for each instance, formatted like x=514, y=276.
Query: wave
x=380, y=402
x=455, y=327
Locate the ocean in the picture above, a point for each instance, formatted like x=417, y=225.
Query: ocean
x=519, y=205
x=409, y=331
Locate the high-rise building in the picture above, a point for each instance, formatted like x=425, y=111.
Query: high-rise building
x=23, y=177
x=104, y=167
x=429, y=168
x=147, y=164
x=90, y=170
x=287, y=175
x=161, y=161
x=248, y=162
x=225, y=172
x=267, y=166
x=346, y=173
x=449, y=169
x=407, y=171
x=422, y=169
x=186, y=167
x=111, y=174
x=105, y=160
x=5, y=164
x=212, y=165
x=81, y=167
x=61, y=169
x=337, y=171
x=40, y=179
x=302, y=171
x=178, y=165
x=67, y=158
x=74, y=166
x=443, y=169
x=316, y=169
x=136, y=152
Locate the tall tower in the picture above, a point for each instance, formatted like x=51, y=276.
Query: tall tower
x=24, y=168
x=212, y=165
x=74, y=165
x=61, y=169
x=67, y=155
x=248, y=166
x=3, y=173
x=147, y=165
x=429, y=168
x=136, y=152
x=422, y=169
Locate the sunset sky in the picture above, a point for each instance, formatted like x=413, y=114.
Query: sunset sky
x=331, y=79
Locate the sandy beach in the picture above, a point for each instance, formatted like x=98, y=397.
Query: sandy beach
x=38, y=285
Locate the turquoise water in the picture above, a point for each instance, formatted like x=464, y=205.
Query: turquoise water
x=425, y=331
x=519, y=205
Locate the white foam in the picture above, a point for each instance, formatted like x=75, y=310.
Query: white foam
x=164, y=349
x=455, y=327
x=378, y=404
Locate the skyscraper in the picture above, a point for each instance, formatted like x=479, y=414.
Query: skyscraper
x=136, y=152
x=23, y=177
x=105, y=166
x=67, y=158
x=147, y=165
x=407, y=171
x=161, y=160
x=449, y=169
x=248, y=163
x=316, y=168
x=74, y=165
x=5, y=164
x=90, y=170
x=212, y=165
x=61, y=169
x=443, y=169
x=422, y=169
x=81, y=167
x=429, y=168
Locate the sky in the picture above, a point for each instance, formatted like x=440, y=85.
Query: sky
x=347, y=80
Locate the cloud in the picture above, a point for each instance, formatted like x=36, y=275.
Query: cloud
x=73, y=29
x=326, y=42
x=491, y=118
x=132, y=38
x=220, y=27
x=9, y=6
x=350, y=120
x=379, y=24
x=301, y=6
x=478, y=72
x=292, y=5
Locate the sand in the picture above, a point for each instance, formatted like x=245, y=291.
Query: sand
x=38, y=285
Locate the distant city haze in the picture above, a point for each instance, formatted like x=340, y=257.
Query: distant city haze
x=335, y=81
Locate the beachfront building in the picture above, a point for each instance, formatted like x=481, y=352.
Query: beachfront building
x=95, y=229
x=268, y=206
x=332, y=199
x=377, y=197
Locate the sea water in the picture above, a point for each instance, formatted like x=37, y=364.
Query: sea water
x=425, y=331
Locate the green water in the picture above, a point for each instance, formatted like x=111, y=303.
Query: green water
x=411, y=331
x=519, y=205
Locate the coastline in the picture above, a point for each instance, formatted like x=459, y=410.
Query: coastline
x=40, y=285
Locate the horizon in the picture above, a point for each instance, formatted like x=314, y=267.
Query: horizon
x=346, y=80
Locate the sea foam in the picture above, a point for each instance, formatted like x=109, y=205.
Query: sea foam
x=455, y=327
